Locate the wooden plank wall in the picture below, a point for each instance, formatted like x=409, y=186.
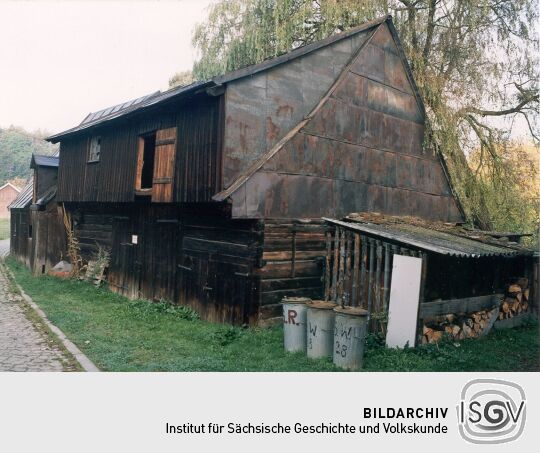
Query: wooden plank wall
x=49, y=243
x=217, y=268
x=93, y=229
x=455, y=278
x=193, y=256
x=21, y=244
x=112, y=179
x=44, y=179
x=292, y=263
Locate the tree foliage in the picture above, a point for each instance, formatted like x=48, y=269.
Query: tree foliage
x=515, y=206
x=475, y=62
x=181, y=79
x=16, y=148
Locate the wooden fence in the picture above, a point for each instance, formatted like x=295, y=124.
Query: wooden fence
x=358, y=270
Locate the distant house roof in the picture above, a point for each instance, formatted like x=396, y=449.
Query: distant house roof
x=8, y=184
x=145, y=102
x=39, y=160
x=24, y=199
x=436, y=237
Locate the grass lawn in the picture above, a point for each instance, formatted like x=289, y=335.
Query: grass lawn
x=4, y=229
x=122, y=335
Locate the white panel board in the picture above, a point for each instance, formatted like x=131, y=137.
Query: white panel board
x=404, y=298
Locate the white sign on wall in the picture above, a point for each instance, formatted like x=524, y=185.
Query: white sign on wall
x=404, y=299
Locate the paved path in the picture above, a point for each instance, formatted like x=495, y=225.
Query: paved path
x=4, y=247
x=24, y=346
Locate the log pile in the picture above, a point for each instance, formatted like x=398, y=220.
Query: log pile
x=516, y=300
x=459, y=327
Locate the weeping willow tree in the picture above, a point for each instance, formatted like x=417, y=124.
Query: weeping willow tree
x=474, y=62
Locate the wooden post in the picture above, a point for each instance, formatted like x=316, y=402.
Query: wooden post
x=386, y=288
x=356, y=270
x=336, y=260
x=327, y=269
x=419, y=326
x=341, y=275
x=293, y=260
x=348, y=269
x=370, y=278
x=363, y=276
x=378, y=276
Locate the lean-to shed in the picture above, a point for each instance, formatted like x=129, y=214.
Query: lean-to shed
x=38, y=236
x=464, y=271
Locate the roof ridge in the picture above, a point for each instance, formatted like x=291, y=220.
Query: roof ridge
x=217, y=80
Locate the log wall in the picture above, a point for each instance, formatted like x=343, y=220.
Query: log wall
x=292, y=263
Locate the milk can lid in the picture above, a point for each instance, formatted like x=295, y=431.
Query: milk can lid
x=352, y=311
x=321, y=305
x=295, y=300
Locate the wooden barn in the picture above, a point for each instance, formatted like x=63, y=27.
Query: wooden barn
x=8, y=193
x=38, y=236
x=212, y=195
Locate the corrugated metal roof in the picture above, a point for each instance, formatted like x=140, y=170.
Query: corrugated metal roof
x=24, y=198
x=144, y=102
x=449, y=240
x=121, y=110
x=44, y=161
x=93, y=117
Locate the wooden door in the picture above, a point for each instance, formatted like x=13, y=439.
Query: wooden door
x=164, y=160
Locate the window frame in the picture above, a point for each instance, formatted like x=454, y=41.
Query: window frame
x=92, y=159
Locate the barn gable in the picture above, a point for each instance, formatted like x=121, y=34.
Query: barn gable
x=358, y=149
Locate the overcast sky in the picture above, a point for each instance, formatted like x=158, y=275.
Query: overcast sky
x=61, y=60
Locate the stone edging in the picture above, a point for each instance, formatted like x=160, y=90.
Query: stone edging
x=83, y=360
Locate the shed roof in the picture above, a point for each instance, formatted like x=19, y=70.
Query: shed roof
x=39, y=160
x=150, y=100
x=24, y=198
x=436, y=237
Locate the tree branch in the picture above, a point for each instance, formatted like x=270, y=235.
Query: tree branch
x=518, y=108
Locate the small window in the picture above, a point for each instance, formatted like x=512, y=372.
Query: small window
x=95, y=149
x=30, y=231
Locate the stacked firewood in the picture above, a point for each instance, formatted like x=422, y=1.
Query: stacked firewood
x=516, y=300
x=458, y=327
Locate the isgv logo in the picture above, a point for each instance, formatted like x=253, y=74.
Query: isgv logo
x=491, y=411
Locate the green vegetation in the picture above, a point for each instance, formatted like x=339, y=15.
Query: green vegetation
x=4, y=229
x=122, y=335
x=16, y=148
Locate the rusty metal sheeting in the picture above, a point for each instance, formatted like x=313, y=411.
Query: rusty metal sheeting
x=444, y=239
